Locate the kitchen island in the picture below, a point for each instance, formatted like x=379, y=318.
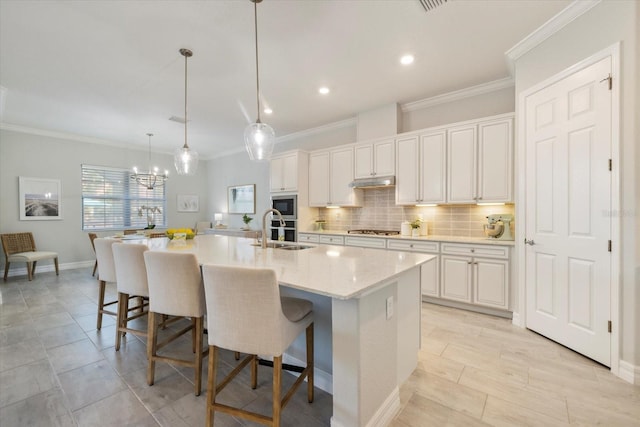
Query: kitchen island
x=367, y=315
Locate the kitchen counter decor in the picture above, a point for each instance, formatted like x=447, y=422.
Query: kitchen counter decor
x=179, y=232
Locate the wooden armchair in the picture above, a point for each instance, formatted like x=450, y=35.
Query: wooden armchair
x=20, y=247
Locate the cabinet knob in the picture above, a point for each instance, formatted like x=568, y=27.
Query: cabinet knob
x=473, y=250
x=410, y=246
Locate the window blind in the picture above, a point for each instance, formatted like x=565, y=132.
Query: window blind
x=112, y=201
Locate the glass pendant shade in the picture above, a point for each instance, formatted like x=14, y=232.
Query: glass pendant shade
x=185, y=160
x=259, y=139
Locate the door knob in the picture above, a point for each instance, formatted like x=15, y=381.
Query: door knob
x=529, y=242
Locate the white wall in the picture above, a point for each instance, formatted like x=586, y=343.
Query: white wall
x=601, y=27
x=31, y=155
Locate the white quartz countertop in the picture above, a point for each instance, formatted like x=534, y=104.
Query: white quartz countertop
x=433, y=238
x=340, y=272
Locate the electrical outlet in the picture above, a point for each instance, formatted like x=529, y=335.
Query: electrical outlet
x=389, y=308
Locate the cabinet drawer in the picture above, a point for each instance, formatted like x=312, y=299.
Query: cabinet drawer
x=413, y=246
x=365, y=242
x=487, y=251
x=331, y=240
x=311, y=238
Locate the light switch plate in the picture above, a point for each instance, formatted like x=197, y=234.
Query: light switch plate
x=389, y=307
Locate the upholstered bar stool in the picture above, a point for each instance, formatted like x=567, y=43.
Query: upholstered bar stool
x=175, y=289
x=131, y=276
x=106, y=274
x=247, y=314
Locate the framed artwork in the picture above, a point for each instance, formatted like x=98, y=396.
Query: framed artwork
x=242, y=199
x=40, y=199
x=188, y=203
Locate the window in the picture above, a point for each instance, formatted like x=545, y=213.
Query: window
x=111, y=201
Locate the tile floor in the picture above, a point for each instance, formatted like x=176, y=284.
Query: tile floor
x=56, y=369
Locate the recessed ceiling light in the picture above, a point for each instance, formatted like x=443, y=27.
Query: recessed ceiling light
x=268, y=110
x=406, y=59
x=323, y=90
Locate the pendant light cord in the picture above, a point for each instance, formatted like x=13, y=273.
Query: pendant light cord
x=185, y=102
x=255, y=21
x=149, y=162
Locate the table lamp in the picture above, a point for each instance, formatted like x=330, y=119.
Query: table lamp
x=218, y=218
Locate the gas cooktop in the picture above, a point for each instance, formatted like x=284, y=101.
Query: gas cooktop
x=375, y=232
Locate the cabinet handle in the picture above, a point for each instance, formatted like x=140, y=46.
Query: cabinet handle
x=469, y=262
x=472, y=250
x=529, y=242
x=410, y=246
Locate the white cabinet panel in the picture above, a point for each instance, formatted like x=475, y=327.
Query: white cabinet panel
x=288, y=172
x=491, y=283
x=375, y=159
x=330, y=173
x=495, y=161
x=456, y=278
x=429, y=279
x=310, y=238
x=331, y=240
x=461, y=170
x=319, y=178
x=365, y=242
x=420, y=170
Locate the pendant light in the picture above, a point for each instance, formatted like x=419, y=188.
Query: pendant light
x=259, y=137
x=185, y=159
x=151, y=178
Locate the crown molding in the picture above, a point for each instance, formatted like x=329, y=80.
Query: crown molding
x=58, y=135
x=297, y=135
x=458, y=94
x=549, y=28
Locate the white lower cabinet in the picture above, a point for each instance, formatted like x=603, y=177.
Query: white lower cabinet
x=429, y=271
x=456, y=278
x=365, y=242
x=475, y=274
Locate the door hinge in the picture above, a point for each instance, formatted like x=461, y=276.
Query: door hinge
x=609, y=246
x=610, y=164
x=609, y=326
x=609, y=79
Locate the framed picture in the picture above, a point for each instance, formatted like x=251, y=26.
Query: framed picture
x=242, y=199
x=188, y=203
x=40, y=199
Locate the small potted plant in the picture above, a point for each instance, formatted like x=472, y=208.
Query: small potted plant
x=415, y=228
x=246, y=219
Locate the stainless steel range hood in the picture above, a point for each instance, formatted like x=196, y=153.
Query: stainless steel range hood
x=374, y=182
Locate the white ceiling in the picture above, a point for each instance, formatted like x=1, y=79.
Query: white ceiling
x=111, y=69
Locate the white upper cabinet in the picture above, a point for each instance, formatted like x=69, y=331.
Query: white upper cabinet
x=330, y=173
x=375, y=159
x=289, y=172
x=495, y=161
x=480, y=162
x=461, y=171
x=420, y=171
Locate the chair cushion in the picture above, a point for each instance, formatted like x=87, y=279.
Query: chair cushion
x=295, y=309
x=31, y=256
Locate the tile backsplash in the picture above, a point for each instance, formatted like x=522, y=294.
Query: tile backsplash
x=380, y=212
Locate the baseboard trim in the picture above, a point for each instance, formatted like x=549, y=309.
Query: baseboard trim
x=44, y=268
x=469, y=307
x=387, y=410
x=629, y=372
x=321, y=379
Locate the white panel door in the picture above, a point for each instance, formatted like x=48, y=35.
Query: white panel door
x=363, y=161
x=568, y=264
x=462, y=164
x=495, y=159
x=456, y=278
x=433, y=155
x=319, y=179
x=491, y=282
x=407, y=170
x=384, y=156
x=341, y=171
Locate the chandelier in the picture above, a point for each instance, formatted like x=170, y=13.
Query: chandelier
x=185, y=159
x=151, y=178
x=259, y=138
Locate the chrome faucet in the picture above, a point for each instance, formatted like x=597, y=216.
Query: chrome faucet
x=264, y=224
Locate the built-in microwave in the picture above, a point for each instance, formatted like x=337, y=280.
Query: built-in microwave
x=287, y=205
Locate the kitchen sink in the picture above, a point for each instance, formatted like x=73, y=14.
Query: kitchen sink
x=285, y=246
x=295, y=247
